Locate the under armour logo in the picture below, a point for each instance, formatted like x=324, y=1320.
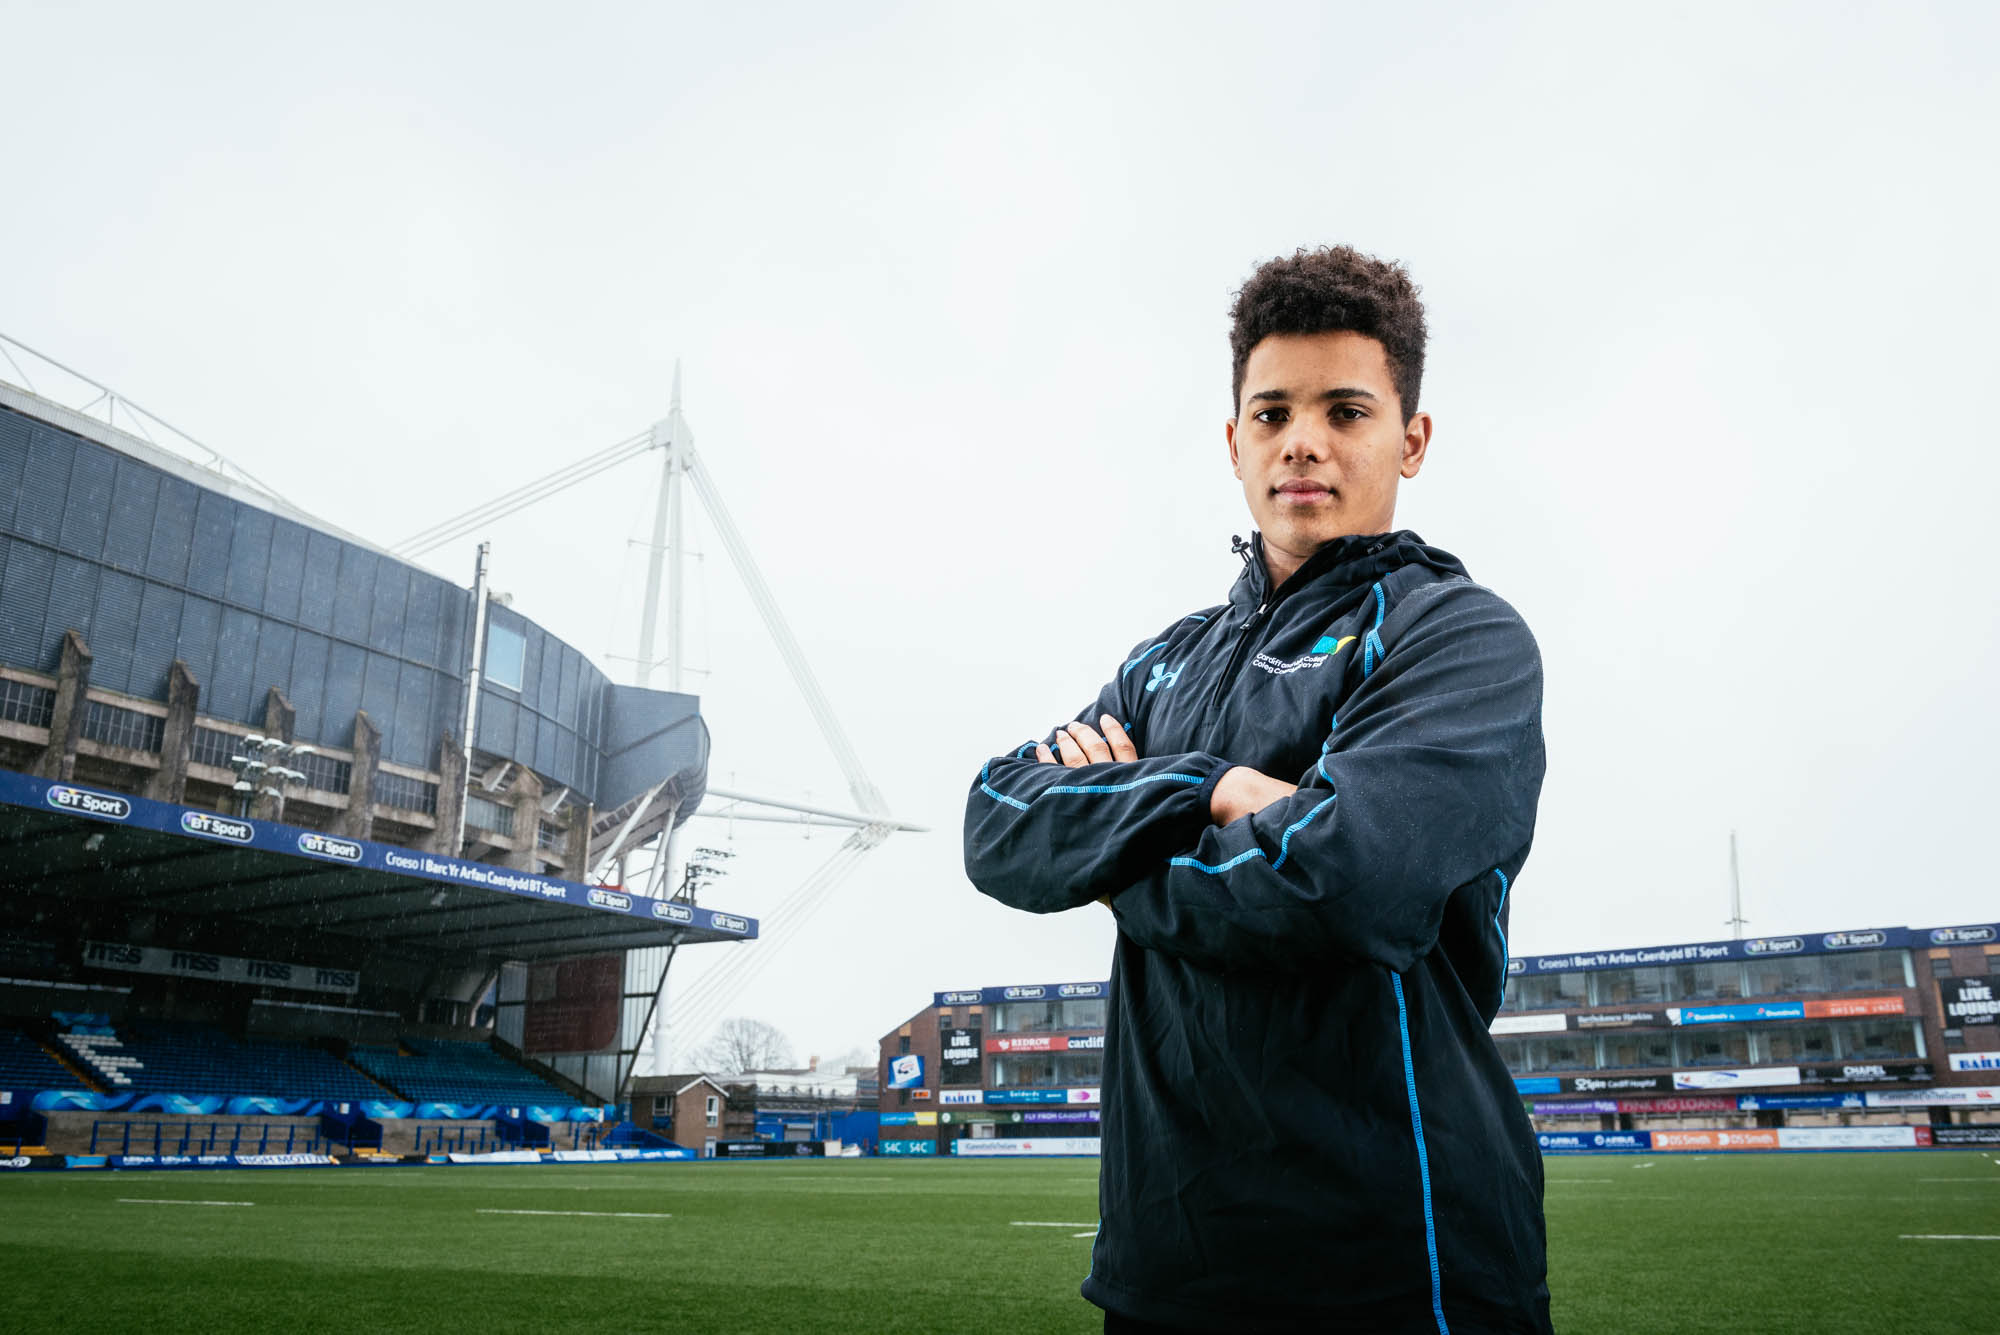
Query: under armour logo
x=1162, y=678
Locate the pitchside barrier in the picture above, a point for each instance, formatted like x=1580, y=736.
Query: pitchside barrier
x=1772, y=1138
x=72, y=1162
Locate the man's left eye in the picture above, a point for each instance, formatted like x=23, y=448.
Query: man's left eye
x=1347, y=412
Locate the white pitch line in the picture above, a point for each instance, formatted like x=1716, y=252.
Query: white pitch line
x=1993, y=1181
x=1043, y=1223
x=587, y=1214
x=152, y=1200
x=1950, y=1237
x=1091, y=1234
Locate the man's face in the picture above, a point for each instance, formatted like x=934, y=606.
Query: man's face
x=1320, y=442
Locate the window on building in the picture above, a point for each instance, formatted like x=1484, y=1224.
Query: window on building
x=1560, y=1052
x=1704, y=982
x=1781, y=977
x=1795, y=1043
x=506, y=655
x=1720, y=1047
x=1083, y=1014
x=714, y=1110
x=1618, y=987
x=903, y=1046
x=1879, y=1040
x=1552, y=991
x=663, y=1108
x=1628, y=1051
x=1867, y=970
x=1941, y=966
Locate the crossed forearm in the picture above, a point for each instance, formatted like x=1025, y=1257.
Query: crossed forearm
x=1240, y=792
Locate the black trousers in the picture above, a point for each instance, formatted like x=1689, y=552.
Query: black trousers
x=1125, y=1325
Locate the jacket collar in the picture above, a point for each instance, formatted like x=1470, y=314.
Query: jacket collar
x=1345, y=563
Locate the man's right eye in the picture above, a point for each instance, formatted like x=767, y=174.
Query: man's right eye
x=1270, y=416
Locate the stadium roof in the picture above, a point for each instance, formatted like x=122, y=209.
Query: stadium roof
x=90, y=848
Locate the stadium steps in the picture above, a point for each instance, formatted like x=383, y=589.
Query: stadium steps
x=87, y=1079
x=367, y=1074
x=545, y=1073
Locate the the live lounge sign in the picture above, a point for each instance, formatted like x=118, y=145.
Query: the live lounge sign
x=218, y=968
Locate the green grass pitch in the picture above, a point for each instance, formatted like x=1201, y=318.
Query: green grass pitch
x=1766, y=1244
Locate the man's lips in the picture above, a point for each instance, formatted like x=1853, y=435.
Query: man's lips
x=1302, y=491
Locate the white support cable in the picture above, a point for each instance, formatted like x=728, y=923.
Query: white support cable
x=866, y=795
x=715, y=991
x=549, y=484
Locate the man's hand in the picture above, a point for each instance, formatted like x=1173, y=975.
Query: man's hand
x=1082, y=745
x=1242, y=791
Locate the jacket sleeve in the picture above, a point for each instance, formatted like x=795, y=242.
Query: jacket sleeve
x=1045, y=838
x=1429, y=779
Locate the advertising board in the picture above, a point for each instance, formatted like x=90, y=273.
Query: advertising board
x=960, y=1055
x=1975, y=1061
x=1528, y=1024
x=961, y=1097
x=1847, y=1138
x=1558, y=1142
x=1614, y=1084
x=1869, y=1073
x=906, y=1071
x=1715, y=1140
x=1968, y=1001
x=998, y=1148
x=1949, y=1096
x=1751, y=1078
x=176, y=963
x=1025, y=1043
x=1965, y=1135
x=904, y=1149
x=1625, y=1019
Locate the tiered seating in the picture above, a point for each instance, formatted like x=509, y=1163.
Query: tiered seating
x=161, y=1058
x=24, y=1065
x=447, y=1071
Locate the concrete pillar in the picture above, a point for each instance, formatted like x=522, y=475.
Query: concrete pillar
x=527, y=821
x=169, y=781
x=279, y=721
x=58, y=759
x=451, y=798
x=576, y=847
x=358, y=821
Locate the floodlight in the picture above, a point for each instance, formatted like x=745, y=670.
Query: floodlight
x=255, y=739
x=304, y=749
x=239, y=760
x=244, y=786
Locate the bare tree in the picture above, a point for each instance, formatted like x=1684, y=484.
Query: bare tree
x=743, y=1044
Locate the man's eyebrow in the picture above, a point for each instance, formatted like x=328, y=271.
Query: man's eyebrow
x=1338, y=392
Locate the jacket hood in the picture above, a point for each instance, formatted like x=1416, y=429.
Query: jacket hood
x=1345, y=563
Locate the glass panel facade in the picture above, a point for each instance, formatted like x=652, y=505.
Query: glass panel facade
x=1028, y=1070
x=1779, y=977
x=1048, y=1017
x=1867, y=970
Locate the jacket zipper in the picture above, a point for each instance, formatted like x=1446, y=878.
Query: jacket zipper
x=1243, y=636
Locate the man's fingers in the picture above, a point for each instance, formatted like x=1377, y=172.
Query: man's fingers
x=1072, y=754
x=1043, y=755
x=1120, y=742
x=1096, y=750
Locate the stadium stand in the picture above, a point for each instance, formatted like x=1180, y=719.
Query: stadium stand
x=24, y=1064
x=163, y=1057
x=454, y=1071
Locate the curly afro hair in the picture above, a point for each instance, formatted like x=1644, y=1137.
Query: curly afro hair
x=1330, y=289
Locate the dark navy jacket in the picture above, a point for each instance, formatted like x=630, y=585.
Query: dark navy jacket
x=1306, y=1125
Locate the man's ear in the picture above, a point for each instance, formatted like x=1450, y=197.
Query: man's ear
x=1229, y=434
x=1416, y=443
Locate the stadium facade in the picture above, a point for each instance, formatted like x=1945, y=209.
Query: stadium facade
x=1843, y=1039
x=165, y=630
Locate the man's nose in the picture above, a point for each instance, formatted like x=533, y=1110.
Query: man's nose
x=1305, y=443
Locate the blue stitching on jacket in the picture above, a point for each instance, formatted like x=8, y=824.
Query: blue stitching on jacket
x=1285, y=844
x=995, y=793
x=1371, y=643
x=1141, y=658
x=1320, y=764
x=1423, y=1156
x=1123, y=787
x=1220, y=868
x=1501, y=932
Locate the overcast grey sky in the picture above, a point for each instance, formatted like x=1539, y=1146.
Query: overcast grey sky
x=1710, y=288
